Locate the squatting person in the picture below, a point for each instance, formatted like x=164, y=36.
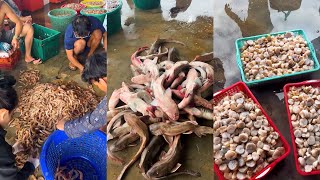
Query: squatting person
x=83, y=36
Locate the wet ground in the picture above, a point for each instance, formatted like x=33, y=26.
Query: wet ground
x=236, y=19
x=193, y=25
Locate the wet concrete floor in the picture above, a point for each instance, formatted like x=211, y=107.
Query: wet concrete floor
x=193, y=25
x=236, y=19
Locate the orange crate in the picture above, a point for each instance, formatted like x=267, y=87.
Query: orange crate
x=10, y=62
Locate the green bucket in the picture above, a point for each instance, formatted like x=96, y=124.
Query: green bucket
x=98, y=16
x=60, y=22
x=146, y=4
x=114, y=20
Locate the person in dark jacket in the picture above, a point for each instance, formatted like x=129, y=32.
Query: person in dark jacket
x=8, y=169
x=95, y=72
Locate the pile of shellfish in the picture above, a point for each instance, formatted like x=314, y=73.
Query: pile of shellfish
x=304, y=106
x=29, y=77
x=275, y=56
x=41, y=107
x=244, y=141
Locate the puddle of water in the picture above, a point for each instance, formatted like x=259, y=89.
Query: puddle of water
x=237, y=19
x=140, y=28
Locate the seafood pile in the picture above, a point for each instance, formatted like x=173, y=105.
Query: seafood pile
x=41, y=107
x=304, y=106
x=29, y=77
x=112, y=4
x=63, y=14
x=163, y=102
x=244, y=141
x=74, y=6
x=63, y=173
x=95, y=11
x=94, y=3
x=275, y=56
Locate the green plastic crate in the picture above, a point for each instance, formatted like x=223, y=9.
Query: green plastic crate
x=45, y=43
x=239, y=43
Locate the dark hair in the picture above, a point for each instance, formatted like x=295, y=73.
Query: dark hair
x=8, y=95
x=95, y=67
x=81, y=25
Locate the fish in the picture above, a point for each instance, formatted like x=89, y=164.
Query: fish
x=159, y=55
x=137, y=104
x=141, y=79
x=150, y=67
x=173, y=54
x=176, y=128
x=155, y=46
x=164, y=66
x=193, y=82
x=198, y=100
x=145, y=95
x=208, y=82
x=204, y=57
x=184, y=172
x=172, y=73
x=114, y=99
x=150, y=152
x=163, y=99
x=124, y=142
x=199, y=112
x=168, y=163
x=142, y=130
x=119, y=131
x=181, y=77
x=135, y=60
x=135, y=70
x=109, y=126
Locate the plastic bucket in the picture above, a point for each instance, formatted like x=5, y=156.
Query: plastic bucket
x=59, y=21
x=114, y=20
x=86, y=154
x=146, y=4
x=81, y=6
x=101, y=17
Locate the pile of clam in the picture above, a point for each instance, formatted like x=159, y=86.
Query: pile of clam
x=244, y=141
x=304, y=106
x=275, y=56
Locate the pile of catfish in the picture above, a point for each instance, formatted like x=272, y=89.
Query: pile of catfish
x=164, y=101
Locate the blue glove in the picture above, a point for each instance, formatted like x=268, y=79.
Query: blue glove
x=5, y=46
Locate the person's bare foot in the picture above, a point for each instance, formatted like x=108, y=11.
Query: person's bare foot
x=30, y=59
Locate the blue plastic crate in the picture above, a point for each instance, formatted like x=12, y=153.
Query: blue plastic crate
x=239, y=43
x=86, y=153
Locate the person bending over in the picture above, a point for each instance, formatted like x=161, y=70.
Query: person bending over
x=83, y=36
x=8, y=169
